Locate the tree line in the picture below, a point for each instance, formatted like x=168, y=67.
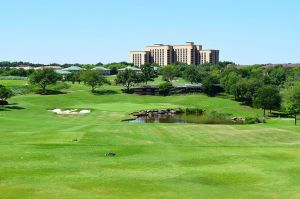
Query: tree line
x=276, y=88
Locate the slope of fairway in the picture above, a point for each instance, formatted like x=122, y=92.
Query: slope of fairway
x=48, y=156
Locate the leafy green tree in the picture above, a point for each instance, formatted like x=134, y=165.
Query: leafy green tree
x=209, y=85
x=99, y=64
x=88, y=66
x=148, y=73
x=5, y=93
x=169, y=73
x=180, y=68
x=74, y=77
x=116, y=65
x=292, y=100
x=267, y=97
x=43, y=78
x=225, y=64
x=93, y=78
x=127, y=78
x=245, y=89
x=165, y=88
x=229, y=79
x=276, y=75
x=193, y=74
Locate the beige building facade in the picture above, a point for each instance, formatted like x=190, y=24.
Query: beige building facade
x=160, y=54
x=188, y=53
x=209, y=56
x=139, y=58
x=163, y=55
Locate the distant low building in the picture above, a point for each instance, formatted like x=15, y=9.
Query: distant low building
x=62, y=72
x=48, y=67
x=104, y=71
x=25, y=67
x=130, y=68
x=73, y=69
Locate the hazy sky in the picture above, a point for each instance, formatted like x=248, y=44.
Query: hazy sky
x=91, y=31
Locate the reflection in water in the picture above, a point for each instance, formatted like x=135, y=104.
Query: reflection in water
x=177, y=118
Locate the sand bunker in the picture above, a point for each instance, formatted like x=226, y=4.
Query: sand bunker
x=70, y=112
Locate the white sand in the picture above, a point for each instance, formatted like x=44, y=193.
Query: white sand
x=58, y=111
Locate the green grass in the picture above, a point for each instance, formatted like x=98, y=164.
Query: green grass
x=39, y=158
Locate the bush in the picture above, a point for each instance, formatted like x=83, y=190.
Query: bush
x=255, y=120
x=215, y=117
x=198, y=111
x=165, y=88
x=5, y=93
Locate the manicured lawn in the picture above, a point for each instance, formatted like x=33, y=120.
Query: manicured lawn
x=40, y=159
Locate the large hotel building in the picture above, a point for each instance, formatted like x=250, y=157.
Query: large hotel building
x=163, y=55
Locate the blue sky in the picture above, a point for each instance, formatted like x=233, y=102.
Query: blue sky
x=91, y=31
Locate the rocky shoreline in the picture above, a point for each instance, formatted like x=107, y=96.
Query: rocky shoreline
x=145, y=113
x=173, y=112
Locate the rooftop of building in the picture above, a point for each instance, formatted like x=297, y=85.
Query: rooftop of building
x=73, y=68
x=101, y=68
x=138, y=51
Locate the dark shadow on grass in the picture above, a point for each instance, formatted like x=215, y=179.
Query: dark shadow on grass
x=2, y=108
x=105, y=92
x=50, y=92
x=277, y=114
x=10, y=106
x=14, y=107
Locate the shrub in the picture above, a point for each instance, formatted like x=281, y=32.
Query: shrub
x=5, y=93
x=165, y=88
x=215, y=117
x=254, y=120
x=194, y=111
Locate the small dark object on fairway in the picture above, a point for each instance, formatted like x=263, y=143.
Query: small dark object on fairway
x=75, y=140
x=110, y=154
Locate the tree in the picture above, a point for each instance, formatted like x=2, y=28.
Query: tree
x=192, y=74
x=225, y=64
x=292, y=100
x=179, y=68
x=148, y=73
x=208, y=85
x=169, y=73
x=5, y=93
x=276, y=75
x=245, y=89
x=127, y=78
x=99, y=64
x=88, y=66
x=93, y=78
x=165, y=88
x=74, y=77
x=267, y=97
x=115, y=66
x=43, y=78
x=230, y=77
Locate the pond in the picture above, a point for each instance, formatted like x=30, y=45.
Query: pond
x=185, y=118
